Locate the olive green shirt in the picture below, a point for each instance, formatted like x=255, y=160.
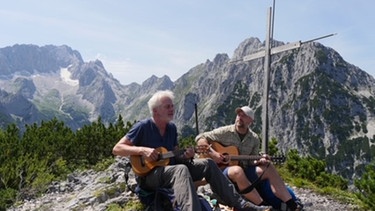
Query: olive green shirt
x=228, y=136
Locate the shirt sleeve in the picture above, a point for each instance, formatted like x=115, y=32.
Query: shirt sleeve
x=254, y=139
x=135, y=134
x=222, y=134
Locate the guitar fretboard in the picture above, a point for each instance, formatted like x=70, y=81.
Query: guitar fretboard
x=245, y=157
x=169, y=154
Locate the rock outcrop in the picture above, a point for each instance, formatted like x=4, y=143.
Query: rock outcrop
x=95, y=191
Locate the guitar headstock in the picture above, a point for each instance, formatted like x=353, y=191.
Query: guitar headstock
x=278, y=159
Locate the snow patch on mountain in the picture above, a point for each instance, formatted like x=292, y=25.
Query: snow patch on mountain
x=66, y=77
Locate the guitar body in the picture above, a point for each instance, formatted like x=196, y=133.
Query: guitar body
x=226, y=150
x=142, y=166
x=232, y=157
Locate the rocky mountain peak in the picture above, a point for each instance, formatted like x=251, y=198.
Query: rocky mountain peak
x=247, y=47
x=31, y=59
x=318, y=103
x=155, y=83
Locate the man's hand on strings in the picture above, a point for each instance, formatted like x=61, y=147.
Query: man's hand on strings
x=265, y=159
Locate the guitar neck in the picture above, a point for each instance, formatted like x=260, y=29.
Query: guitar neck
x=276, y=159
x=176, y=153
x=245, y=157
x=232, y=153
x=170, y=154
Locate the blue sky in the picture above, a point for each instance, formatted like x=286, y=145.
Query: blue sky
x=137, y=39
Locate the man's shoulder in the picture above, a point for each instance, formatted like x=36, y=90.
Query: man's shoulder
x=227, y=128
x=143, y=122
x=172, y=124
x=223, y=130
x=217, y=131
x=253, y=134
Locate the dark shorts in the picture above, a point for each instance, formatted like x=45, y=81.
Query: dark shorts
x=263, y=187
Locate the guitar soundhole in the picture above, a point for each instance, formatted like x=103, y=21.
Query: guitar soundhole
x=143, y=163
x=160, y=156
x=226, y=158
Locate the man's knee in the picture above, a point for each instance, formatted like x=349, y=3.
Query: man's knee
x=181, y=170
x=235, y=172
x=210, y=162
x=207, y=162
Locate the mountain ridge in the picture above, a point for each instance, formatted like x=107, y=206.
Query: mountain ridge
x=318, y=103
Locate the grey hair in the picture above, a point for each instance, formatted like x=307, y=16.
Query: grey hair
x=155, y=100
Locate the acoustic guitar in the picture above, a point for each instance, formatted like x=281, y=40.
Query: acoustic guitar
x=232, y=157
x=142, y=166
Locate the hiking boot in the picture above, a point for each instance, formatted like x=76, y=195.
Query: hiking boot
x=248, y=206
x=299, y=207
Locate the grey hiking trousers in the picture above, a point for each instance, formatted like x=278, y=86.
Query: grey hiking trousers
x=181, y=177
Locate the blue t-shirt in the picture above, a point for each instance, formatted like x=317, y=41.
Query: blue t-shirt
x=146, y=133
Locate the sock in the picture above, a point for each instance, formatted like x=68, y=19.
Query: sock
x=291, y=204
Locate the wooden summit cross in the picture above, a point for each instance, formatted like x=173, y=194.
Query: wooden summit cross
x=266, y=53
